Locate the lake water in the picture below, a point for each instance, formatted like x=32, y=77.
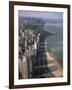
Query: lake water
x=55, y=42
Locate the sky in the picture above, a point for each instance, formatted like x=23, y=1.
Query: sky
x=41, y=14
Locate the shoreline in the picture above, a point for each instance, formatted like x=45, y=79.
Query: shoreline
x=53, y=65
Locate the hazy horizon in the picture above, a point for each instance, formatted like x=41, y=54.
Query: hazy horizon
x=41, y=14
